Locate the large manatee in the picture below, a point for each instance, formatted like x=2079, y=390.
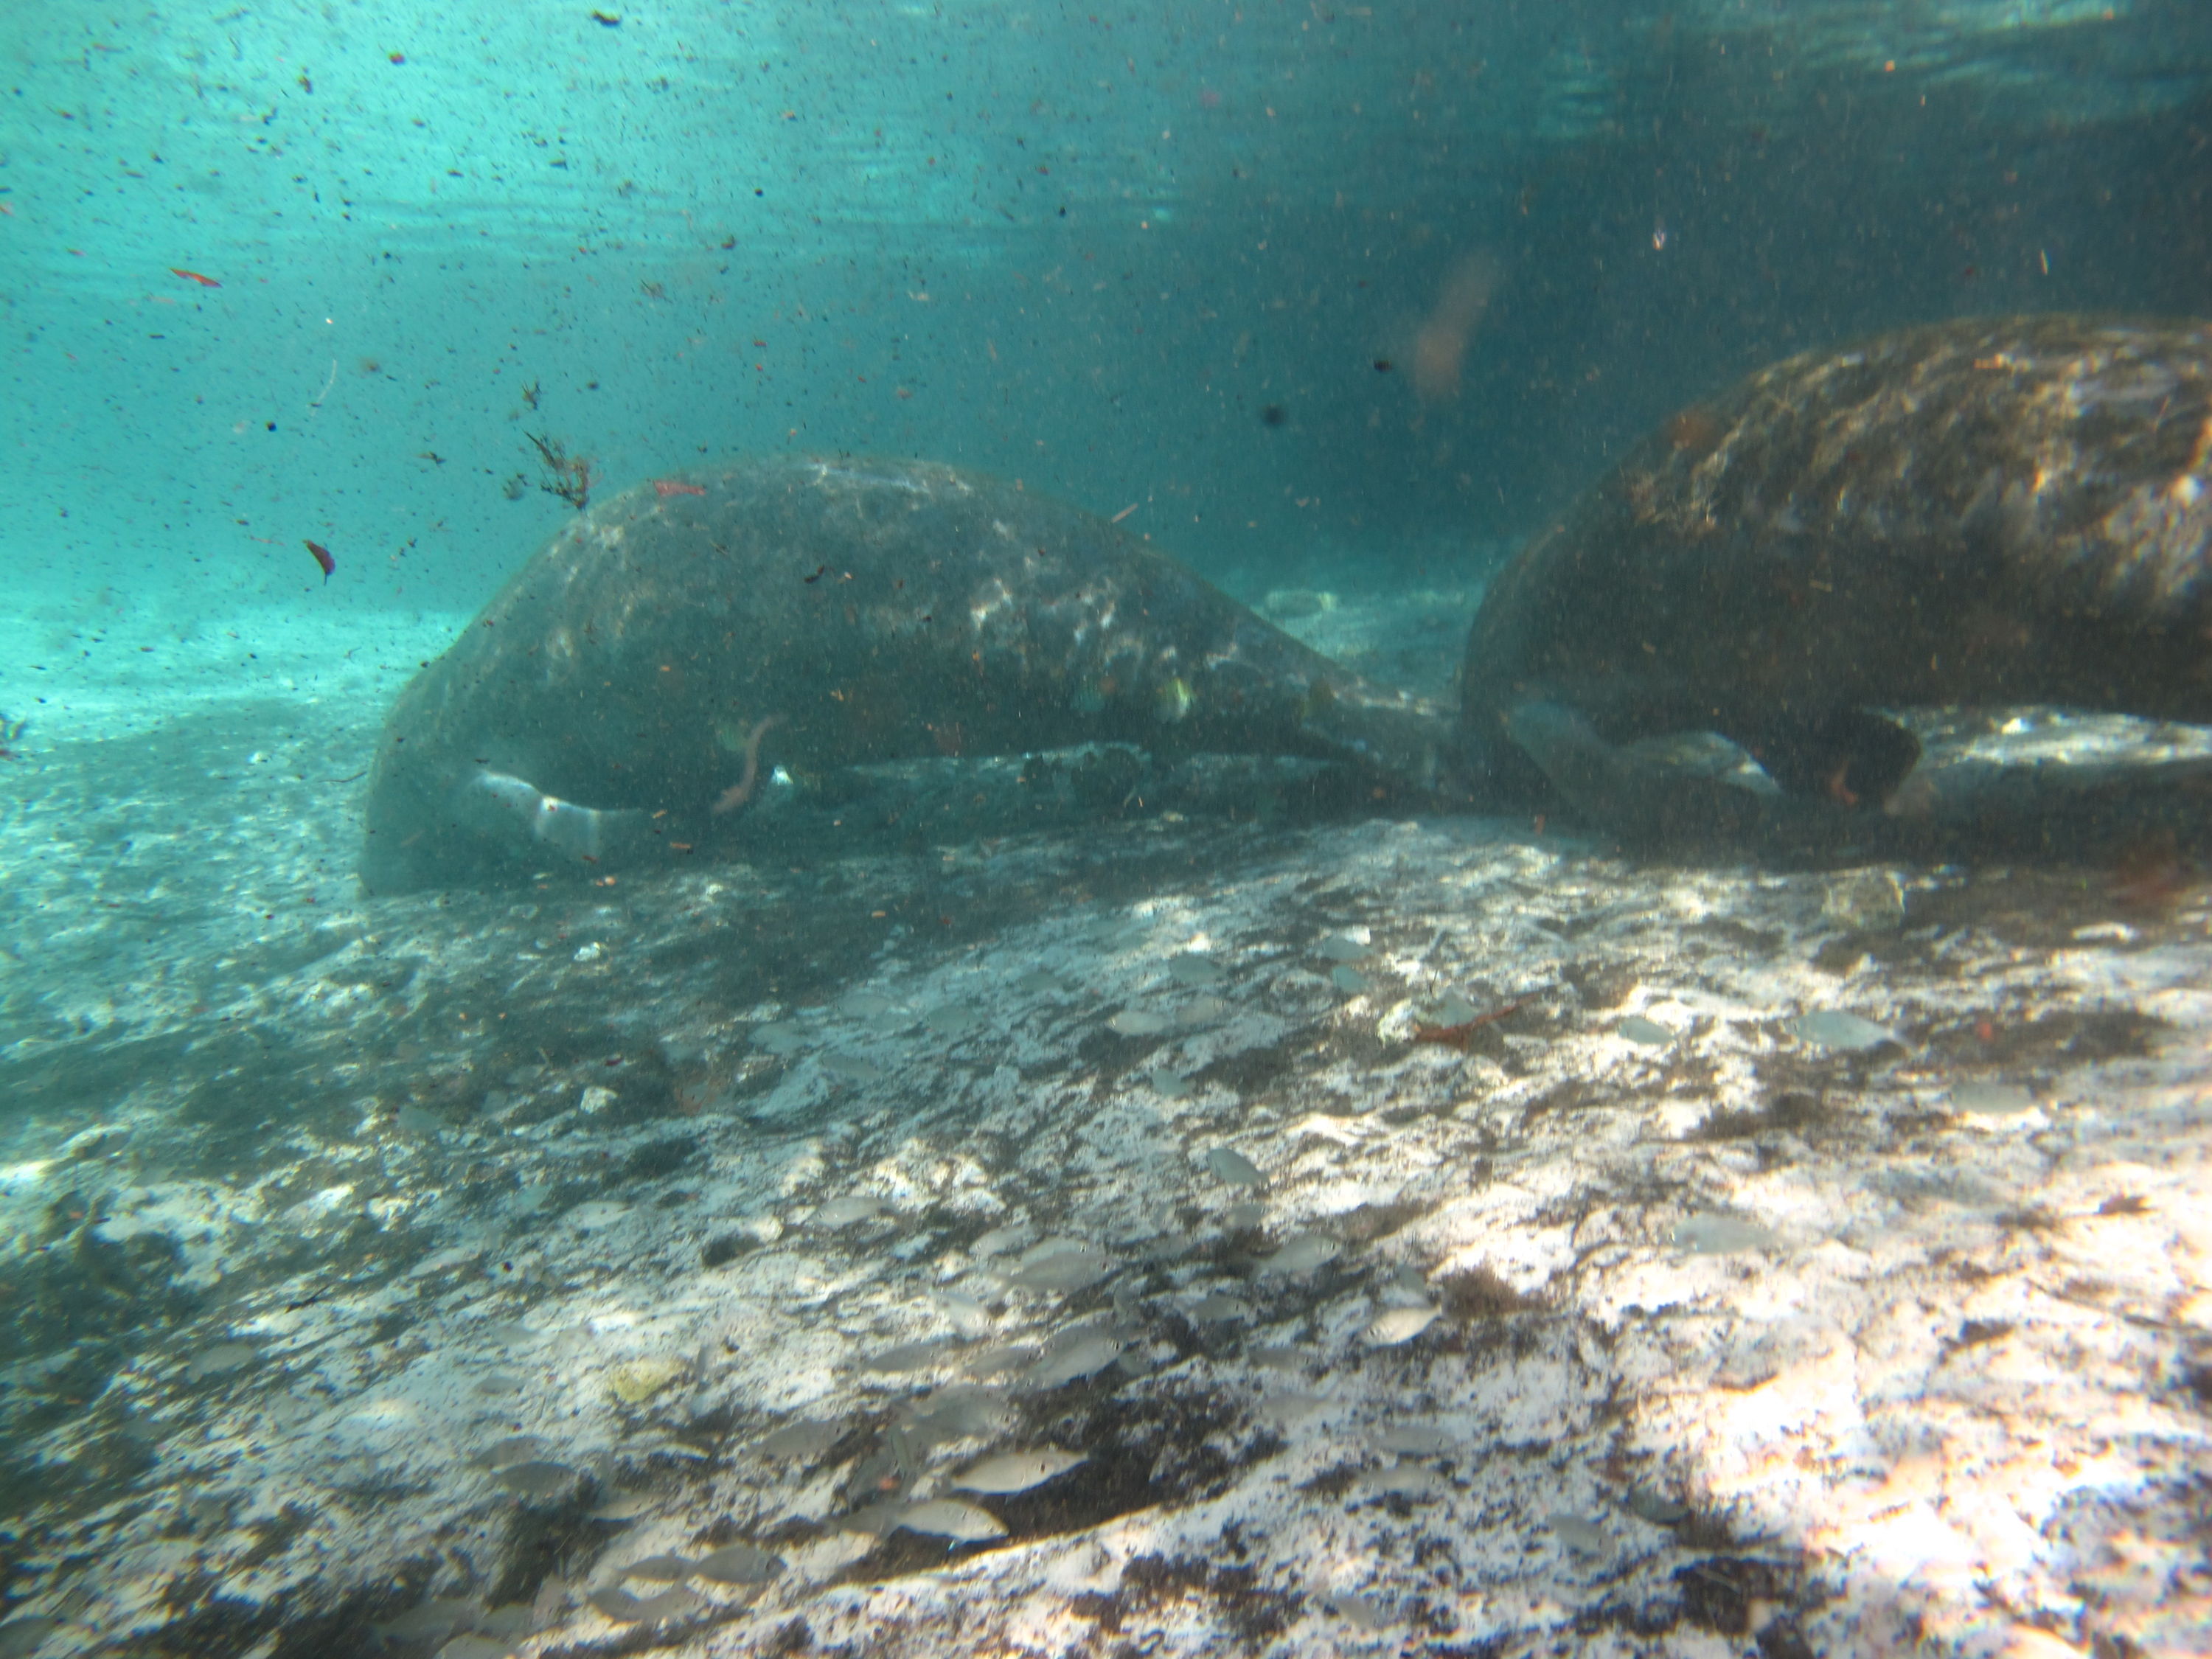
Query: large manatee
x=613, y=702
x=1988, y=512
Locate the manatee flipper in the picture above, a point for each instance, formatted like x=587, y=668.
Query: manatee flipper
x=513, y=814
x=1649, y=799
x=1852, y=756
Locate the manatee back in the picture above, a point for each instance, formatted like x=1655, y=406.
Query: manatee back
x=1990, y=511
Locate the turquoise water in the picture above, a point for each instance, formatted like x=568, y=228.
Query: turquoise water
x=1311, y=1211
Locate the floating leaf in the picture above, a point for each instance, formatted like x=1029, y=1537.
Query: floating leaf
x=1013, y=1472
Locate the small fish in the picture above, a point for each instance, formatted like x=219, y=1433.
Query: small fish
x=194, y=277
x=1456, y=1036
x=667, y=487
x=323, y=558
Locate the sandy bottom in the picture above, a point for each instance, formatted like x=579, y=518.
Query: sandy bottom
x=1223, y=1223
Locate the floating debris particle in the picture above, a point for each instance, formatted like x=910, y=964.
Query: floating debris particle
x=1013, y=1472
x=1343, y=947
x=1232, y=1167
x=739, y=1562
x=1829, y=1029
x=1711, y=1234
x=220, y=1360
x=1397, y=1325
x=637, y=1381
x=946, y=1518
x=1071, y=1355
x=661, y=1569
x=780, y=1036
x=1350, y=981
x=1302, y=1254
x=1413, y=1440
x=537, y=1480
x=847, y=1212
x=1058, y=1264
x=1584, y=1536
x=1137, y=1022
x=1991, y=1099
x=806, y=1437
x=851, y=1067
x=1636, y=1028
x=1199, y=972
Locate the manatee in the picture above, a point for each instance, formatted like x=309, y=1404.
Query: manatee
x=619, y=698
x=1992, y=511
